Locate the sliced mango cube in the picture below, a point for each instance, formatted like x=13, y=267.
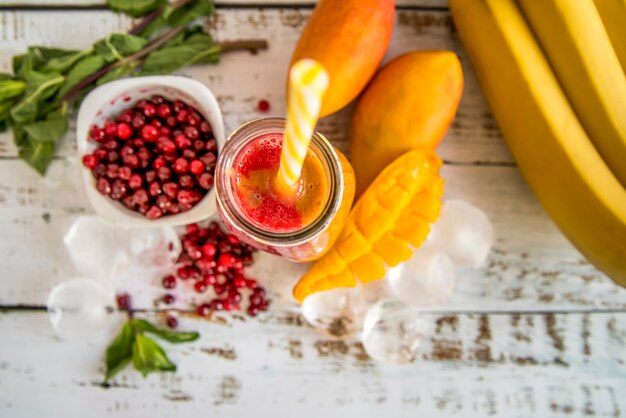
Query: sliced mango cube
x=392, y=249
x=368, y=268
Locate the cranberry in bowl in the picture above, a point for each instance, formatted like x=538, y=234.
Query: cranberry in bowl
x=148, y=147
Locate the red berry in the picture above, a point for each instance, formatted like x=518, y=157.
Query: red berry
x=131, y=160
x=163, y=202
x=104, y=186
x=118, y=190
x=99, y=171
x=164, y=173
x=196, y=167
x=217, y=305
x=169, y=282
x=150, y=176
x=189, y=154
x=191, y=132
x=157, y=99
x=149, y=110
x=90, y=161
x=188, y=197
x=138, y=121
x=198, y=145
x=206, y=181
x=165, y=131
x=168, y=299
x=124, y=131
x=100, y=153
x=210, y=279
x=164, y=111
x=204, y=309
x=192, y=228
x=180, y=165
x=253, y=310
x=166, y=145
x=200, y=287
x=171, y=121
x=124, y=173
x=179, y=105
x=96, y=133
x=182, y=141
x=184, y=273
x=112, y=170
x=170, y=189
x=159, y=162
x=206, y=127
x=110, y=128
x=239, y=281
x=111, y=144
x=135, y=181
x=154, y=189
x=194, y=119
x=123, y=301
x=182, y=116
x=209, y=250
x=172, y=322
x=211, y=145
x=264, y=105
x=226, y=260
x=149, y=133
x=126, y=150
x=251, y=283
x=141, y=197
x=218, y=288
x=126, y=116
x=154, y=212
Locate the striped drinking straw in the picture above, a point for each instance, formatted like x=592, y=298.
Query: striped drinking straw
x=308, y=81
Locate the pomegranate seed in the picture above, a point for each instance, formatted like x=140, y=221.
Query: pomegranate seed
x=126, y=150
x=263, y=105
x=172, y=322
x=234, y=296
x=166, y=145
x=143, y=208
x=233, y=239
x=204, y=264
x=218, y=288
x=206, y=127
x=211, y=145
x=259, y=291
x=194, y=119
x=118, y=190
x=90, y=161
x=180, y=165
x=164, y=173
x=165, y=131
x=178, y=105
x=144, y=153
x=182, y=115
x=169, y=282
x=157, y=124
x=192, y=228
x=239, y=281
x=204, y=309
x=171, y=121
x=194, y=252
x=124, y=131
x=111, y=144
x=170, y=189
x=112, y=170
x=157, y=99
x=139, y=121
x=189, y=154
x=149, y=110
x=253, y=310
x=96, y=133
x=186, y=181
x=164, y=111
x=100, y=153
x=135, y=181
x=182, y=141
x=124, y=173
x=188, y=197
x=163, y=202
x=173, y=209
x=141, y=198
x=191, y=132
x=149, y=133
x=150, y=176
x=209, y=250
x=138, y=142
x=154, y=189
x=209, y=159
x=103, y=186
x=217, y=305
x=129, y=202
x=251, y=284
x=184, y=273
x=126, y=116
x=196, y=167
x=154, y=213
x=110, y=128
x=99, y=171
x=210, y=279
x=168, y=299
x=123, y=301
x=198, y=145
x=200, y=287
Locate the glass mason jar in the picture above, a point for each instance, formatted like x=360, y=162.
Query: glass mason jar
x=312, y=240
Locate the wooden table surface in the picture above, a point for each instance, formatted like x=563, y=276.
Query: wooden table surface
x=538, y=332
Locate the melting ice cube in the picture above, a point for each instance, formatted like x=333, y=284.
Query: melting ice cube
x=337, y=312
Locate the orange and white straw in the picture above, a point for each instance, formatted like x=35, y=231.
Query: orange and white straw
x=308, y=81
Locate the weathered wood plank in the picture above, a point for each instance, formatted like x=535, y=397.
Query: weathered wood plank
x=520, y=365
x=532, y=265
x=91, y=3
x=240, y=80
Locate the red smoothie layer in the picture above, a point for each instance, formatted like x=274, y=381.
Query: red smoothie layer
x=255, y=170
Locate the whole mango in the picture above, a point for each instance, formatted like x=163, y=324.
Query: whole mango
x=349, y=37
x=409, y=104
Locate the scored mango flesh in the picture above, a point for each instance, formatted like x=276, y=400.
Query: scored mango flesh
x=390, y=219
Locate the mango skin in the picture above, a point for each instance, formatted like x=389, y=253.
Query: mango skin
x=409, y=104
x=350, y=38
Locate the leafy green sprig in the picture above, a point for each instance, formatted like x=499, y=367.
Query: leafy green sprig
x=48, y=82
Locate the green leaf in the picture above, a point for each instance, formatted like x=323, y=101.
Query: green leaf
x=11, y=88
x=184, y=15
x=170, y=336
x=117, y=73
x=55, y=59
x=120, y=352
x=39, y=87
x=83, y=68
x=116, y=46
x=21, y=63
x=199, y=47
x=5, y=113
x=18, y=134
x=149, y=357
x=135, y=8
x=49, y=130
x=5, y=76
x=37, y=154
x=152, y=27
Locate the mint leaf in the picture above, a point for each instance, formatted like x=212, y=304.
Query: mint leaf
x=120, y=352
x=82, y=69
x=49, y=130
x=135, y=8
x=37, y=154
x=170, y=336
x=39, y=87
x=55, y=59
x=117, y=73
x=149, y=357
x=116, y=46
x=184, y=15
x=11, y=88
x=18, y=134
x=199, y=47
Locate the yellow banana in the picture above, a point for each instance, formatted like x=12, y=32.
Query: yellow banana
x=553, y=151
x=613, y=14
x=578, y=47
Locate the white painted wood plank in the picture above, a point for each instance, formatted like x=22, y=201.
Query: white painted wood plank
x=473, y=365
x=532, y=265
x=86, y=3
x=241, y=80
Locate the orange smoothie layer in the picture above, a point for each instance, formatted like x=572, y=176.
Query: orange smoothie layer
x=255, y=171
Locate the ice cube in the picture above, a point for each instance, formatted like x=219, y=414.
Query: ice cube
x=337, y=312
x=393, y=332
x=104, y=250
x=81, y=310
x=427, y=279
x=463, y=232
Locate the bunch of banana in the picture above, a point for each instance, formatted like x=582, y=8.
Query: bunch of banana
x=549, y=118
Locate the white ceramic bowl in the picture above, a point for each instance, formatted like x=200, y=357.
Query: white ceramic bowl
x=107, y=101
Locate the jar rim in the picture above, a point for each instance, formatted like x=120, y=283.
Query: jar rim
x=224, y=193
